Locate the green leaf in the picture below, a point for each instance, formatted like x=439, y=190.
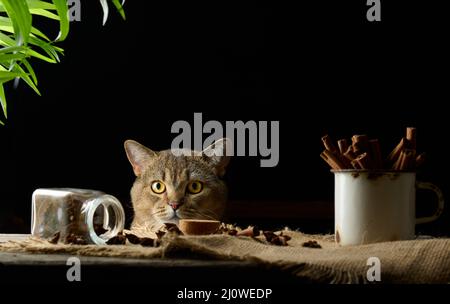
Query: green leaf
x=44, y=13
x=7, y=41
x=3, y=102
x=63, y=13
x=30, y=70
x=6, y=25
x=8, y=57
x=32, y=4
x=10, y=49
x=120, y=9
x=42, y=57
x=38, y=33
x=6, y=76
x=26, y=78
x=20, y=16
x=47, y=47
x=20, y=40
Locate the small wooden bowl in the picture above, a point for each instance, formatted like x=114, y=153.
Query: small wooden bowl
x=198, y=227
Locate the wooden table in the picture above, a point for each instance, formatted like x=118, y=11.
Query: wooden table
x=52, y=268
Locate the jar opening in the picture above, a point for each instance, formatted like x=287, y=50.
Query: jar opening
x=105, y=218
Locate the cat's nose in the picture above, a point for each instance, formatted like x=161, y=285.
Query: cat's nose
x=174, y=205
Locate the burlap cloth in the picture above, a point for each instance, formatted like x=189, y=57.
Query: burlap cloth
x=415, y=261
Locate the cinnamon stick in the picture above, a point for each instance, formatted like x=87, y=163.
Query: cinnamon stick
x=408, y=160
x=355, y=164
x=376, y=153
x=411, y=137
x=343, y=145
x=349, y=154
x=328, y=143
x=420, y=159
x=398, y=162
x=347, y=163
x=363, y=161
x=395, y=154
x=344, y=160
x=364, y=153
x=360, y=143
x=332, y=160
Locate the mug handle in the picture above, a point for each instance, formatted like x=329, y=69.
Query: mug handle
x=440, y=199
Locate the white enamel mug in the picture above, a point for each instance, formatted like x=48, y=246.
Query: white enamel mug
x=372, y=206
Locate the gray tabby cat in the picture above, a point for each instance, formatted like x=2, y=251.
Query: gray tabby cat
x=170, y=187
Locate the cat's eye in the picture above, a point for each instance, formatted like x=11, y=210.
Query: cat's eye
x=195, y=187
x=158, y=187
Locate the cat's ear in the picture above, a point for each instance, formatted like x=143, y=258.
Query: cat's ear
x=138, y=155
x=218, y=155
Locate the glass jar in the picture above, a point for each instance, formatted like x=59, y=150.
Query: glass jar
x=76, y=216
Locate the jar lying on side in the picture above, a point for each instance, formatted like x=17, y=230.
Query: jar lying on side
x=77, y=216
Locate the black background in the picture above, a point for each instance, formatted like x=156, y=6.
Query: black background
x=317, y=67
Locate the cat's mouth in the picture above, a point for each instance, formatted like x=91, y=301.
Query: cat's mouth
x=174, y=220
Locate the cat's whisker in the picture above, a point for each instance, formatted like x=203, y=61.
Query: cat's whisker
x=208, y=212
x=160, y=210
x=202, y=213
x=156, y=212
x=189, y=214
x=205, y=215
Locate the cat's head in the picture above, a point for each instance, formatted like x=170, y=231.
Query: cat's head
x=171, y=185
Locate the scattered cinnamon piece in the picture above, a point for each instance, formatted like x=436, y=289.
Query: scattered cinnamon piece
x=54, y=238
x=232, y=232
x=251, y=231
x=133, y=239
x=119, y=239
x=160, y=234
x=148, y=242
x=311, y=244
x=287, y=237
x=227, y=229
x=75, y=240
x=144, y=241
x=279, y=240
x=223, y=229
x=269, y=235
x=173, y=228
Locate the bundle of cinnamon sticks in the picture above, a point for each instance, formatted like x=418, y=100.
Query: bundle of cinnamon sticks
x=365, y=154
